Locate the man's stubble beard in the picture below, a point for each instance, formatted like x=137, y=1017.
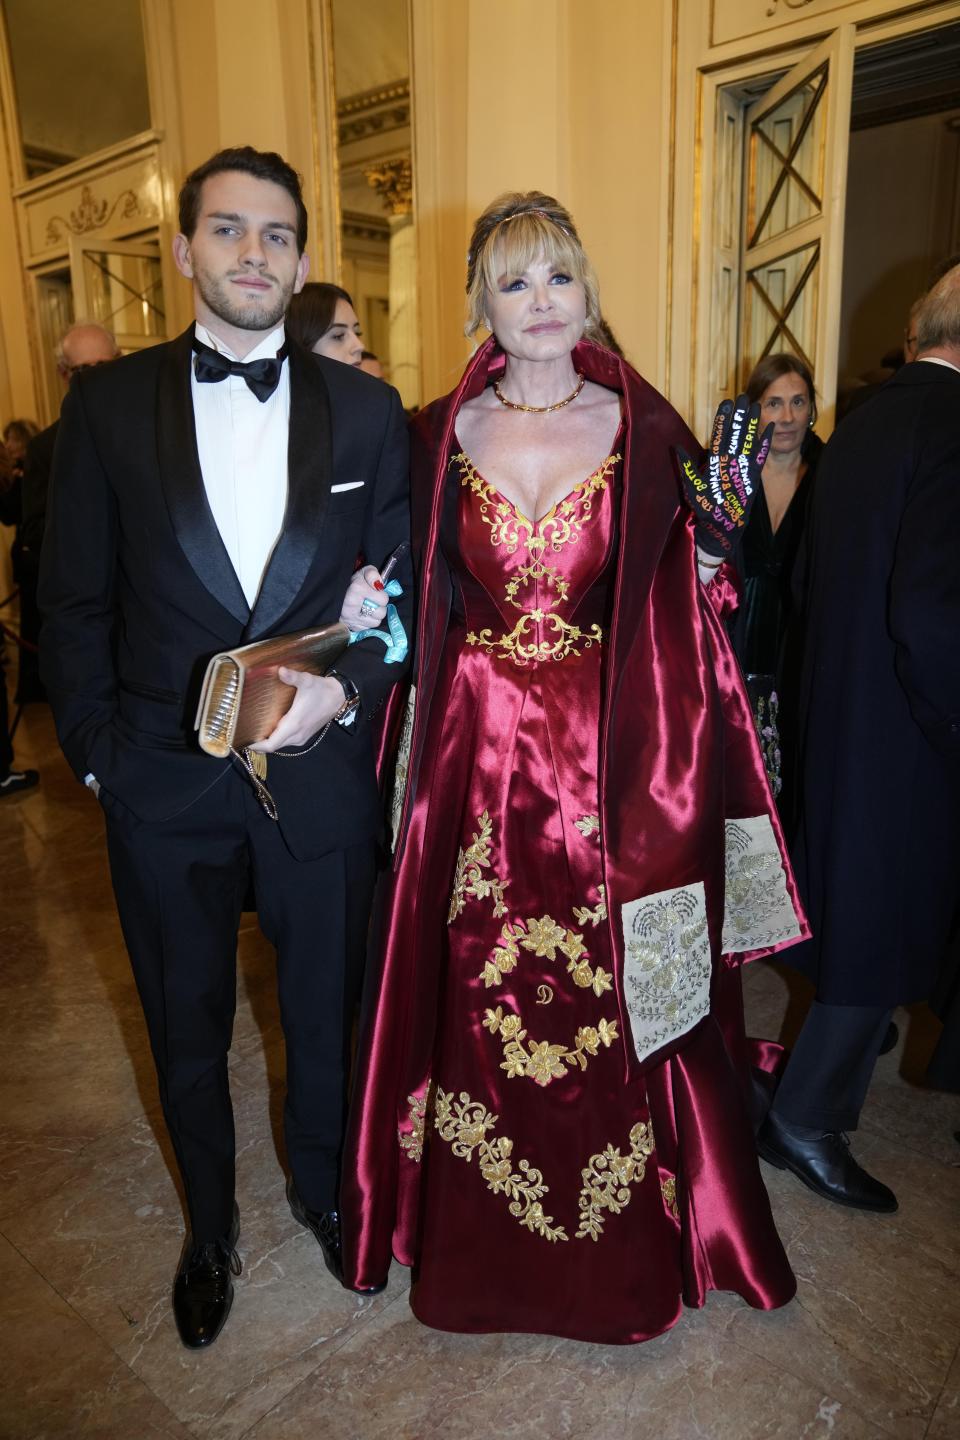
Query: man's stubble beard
x=243, y=315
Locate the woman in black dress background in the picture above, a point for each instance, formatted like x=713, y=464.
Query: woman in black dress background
x=767, y=631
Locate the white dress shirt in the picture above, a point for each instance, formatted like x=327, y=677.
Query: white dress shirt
x=938, y=360
x=242, y=442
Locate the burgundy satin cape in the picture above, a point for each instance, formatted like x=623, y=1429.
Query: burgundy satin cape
x=678, y=757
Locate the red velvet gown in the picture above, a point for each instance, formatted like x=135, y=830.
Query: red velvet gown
x=549, y=1120
x=545, y=1202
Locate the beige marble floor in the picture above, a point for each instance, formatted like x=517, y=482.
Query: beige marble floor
x=90, y=1223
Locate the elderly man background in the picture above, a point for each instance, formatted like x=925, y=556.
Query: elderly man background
x=878, y=848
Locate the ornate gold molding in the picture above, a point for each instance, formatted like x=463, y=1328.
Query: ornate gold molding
x=393, y=182
x=373, y=112
x=92, y=214
x=790, y=4
x=359, y=226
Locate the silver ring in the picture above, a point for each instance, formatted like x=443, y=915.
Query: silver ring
x=369, y=607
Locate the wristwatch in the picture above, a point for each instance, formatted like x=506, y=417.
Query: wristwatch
x=351, y=698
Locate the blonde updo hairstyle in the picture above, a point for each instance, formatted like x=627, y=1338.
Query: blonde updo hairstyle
x=515, y=231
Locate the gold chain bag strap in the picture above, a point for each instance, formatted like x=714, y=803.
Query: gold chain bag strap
x=243, y=698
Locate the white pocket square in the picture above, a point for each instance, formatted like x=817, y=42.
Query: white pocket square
x=350, y=485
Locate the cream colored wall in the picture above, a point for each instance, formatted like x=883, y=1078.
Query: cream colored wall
x=221, y=72
x=593, y=101
x=563, y=97
x=247, y=76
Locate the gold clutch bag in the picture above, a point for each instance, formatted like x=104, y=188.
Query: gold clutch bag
x=242, y=697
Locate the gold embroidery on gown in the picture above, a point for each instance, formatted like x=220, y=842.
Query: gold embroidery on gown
x=468, y=881
x=607, y=1177
x=464, y=1124
x=542, y=1061
x=412, y=1144
x=540, y=634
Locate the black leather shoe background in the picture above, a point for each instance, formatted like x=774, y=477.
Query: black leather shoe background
x=825, y=1164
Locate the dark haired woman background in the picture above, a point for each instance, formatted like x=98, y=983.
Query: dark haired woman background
x=766, y=634
x=322, y=318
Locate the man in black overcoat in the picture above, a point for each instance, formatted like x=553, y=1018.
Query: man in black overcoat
x=207, y=493
x=878, y=846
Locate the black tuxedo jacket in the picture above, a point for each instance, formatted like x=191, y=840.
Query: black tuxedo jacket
x=138, y=591
x=878, y=847
x=36, y=482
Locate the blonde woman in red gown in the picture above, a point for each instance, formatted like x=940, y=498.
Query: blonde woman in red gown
x=550, y=1123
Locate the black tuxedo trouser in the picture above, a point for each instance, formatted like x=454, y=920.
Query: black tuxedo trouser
x=830, y=1068
x=180, y=888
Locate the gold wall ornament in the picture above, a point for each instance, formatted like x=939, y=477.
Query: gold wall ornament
x=379, y=111
x=790, y=4
x=393, y=182
x=411, y=1141
x=539, y=1060
x=92, y=214
x=607, y=1178
x=465, y=1125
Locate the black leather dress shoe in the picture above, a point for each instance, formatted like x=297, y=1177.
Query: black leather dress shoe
x=203, y=1289
x=824, y=1164
x=325, y=1225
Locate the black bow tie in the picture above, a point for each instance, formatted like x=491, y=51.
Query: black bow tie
x=262, y=376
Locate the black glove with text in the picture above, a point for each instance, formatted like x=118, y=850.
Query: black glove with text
x=722, y=490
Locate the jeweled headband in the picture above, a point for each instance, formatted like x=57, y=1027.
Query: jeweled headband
x=550, y=219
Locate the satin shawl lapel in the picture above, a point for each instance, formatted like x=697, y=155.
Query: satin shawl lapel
x=182, y=481
x=651, y=497
x=310, y=475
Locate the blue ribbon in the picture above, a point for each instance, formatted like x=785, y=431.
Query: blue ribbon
x=396, y=640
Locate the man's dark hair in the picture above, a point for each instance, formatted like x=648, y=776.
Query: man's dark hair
x=262, y=165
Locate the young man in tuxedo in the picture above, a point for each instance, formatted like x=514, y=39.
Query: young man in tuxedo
x=207, y=493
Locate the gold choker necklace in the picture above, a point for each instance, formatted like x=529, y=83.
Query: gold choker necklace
x=538, y=409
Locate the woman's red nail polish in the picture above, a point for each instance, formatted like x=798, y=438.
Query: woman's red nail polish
x=378, y=585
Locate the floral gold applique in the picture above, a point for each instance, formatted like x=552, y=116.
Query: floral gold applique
x=584, y=916
x=411, y=1143
x=506, y=524
x=522, y=650
x=607, y=1178
x=465, y=1125
x=588, y=825
x=535, y=571
x=668, y=1189
x=540, y=634
x=538, y=1060
x=543, y=937
x=468, y=879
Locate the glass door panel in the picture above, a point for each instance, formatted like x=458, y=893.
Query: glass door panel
x=797, y=137
x=120, y=284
